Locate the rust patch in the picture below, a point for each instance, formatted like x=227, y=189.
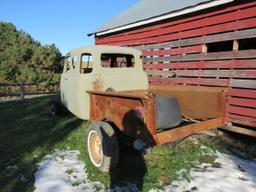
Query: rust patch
x=98, y=84
x=200, y=103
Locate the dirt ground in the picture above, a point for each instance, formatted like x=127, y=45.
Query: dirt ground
x=240, y=145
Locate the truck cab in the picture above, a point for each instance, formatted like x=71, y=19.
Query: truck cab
x=99, y=68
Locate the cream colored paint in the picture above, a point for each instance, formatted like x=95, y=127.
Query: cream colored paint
x=74, y=84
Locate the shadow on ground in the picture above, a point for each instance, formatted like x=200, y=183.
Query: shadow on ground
x=131, y=170
x=27, y=133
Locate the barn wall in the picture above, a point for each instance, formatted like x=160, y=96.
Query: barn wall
x=217, y=48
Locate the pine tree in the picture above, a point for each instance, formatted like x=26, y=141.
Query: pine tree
x=24, y=59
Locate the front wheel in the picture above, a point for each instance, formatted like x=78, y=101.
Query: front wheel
x=55, y=107
x=103, y=146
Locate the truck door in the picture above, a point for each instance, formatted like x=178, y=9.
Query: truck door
x=64, y=80
x=68, y=81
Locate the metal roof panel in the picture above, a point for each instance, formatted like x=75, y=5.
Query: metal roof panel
x=146, y=9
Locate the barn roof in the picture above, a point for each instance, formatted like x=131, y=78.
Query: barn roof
x=148, y=11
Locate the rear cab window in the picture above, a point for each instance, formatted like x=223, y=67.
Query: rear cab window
x=117, y=61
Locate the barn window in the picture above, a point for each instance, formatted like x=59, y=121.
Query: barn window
x=220, y=46
x=117, y=60
x=246, y=44
x=86, y=63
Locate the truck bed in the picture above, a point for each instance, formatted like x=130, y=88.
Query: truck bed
x=134, y=112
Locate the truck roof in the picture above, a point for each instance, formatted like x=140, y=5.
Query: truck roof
x=104, y=49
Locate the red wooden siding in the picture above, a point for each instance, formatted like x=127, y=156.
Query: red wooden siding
x=237, y=17
x=174, y=51
x=183, y=52
x=241, y=107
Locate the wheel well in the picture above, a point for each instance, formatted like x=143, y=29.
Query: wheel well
x=113, y=125
x=122, y=138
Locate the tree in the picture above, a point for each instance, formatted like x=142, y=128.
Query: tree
x=24, y=59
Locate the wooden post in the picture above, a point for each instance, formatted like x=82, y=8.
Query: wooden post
x=235, y=45
x=204, y=48
x=22, y=90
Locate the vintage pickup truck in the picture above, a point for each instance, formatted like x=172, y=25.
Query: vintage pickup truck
x=107, y=85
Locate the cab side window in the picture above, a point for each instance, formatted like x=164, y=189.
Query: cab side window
x=74, y=62
x=86, y=65
x=67, y=63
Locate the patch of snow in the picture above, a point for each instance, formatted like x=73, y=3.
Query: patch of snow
x=203, y=147
x=63, y=172
x=182, y=171
x=234, y=175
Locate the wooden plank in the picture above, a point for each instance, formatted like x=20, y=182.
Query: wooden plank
x=242, y=34
x=246, y=123
x=9, y=94
x=160, y=73
x=191, y=81
x=172, y=44
x=175, y=51
x=235, y=35
x=208, y=21
x=251, y=84
x=216, y=73
x=245, y=54
x=241, y=118
x=241, y=111
x=248, y=93
x=176, y=27
x=181, y=132
x=201, y=81
x=236, y=25
x=204, y=73
x=231, y=64
x=162, y=80
x=240, y=130
x=242, y=102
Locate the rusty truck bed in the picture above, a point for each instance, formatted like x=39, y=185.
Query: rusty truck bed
x=134, y=112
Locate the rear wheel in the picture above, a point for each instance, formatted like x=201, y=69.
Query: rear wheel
x=103, y=146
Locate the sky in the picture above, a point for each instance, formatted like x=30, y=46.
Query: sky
x=64, y=23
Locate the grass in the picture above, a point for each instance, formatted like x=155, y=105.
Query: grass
x=164, y=163
x=28, y=133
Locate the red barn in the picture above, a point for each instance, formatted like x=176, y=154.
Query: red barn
x=195, y=42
